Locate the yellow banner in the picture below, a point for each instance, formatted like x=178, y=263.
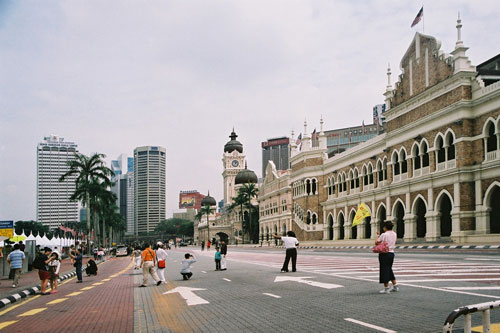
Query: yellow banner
x=7, y=232
x=361, y=213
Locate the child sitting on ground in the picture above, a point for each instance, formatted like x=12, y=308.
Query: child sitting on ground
x=186, y=266
x=218, y=258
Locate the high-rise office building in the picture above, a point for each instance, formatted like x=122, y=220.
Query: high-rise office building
x=149, y=187
x=123, y=188
x=53, y=204
x=276, y=150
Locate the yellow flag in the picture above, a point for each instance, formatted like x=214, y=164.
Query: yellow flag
x=361, y=213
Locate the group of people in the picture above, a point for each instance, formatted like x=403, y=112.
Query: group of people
x=48, y=263
x=152, y=262
x=385, y=258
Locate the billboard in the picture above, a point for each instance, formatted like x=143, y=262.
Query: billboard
x=190, y=199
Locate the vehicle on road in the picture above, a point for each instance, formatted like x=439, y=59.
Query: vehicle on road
x=182, y=244
x=121, y=251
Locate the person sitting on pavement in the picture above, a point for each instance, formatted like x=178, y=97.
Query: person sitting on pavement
x=16, y=259
x=54, y=266
x=148, y=264
x=91, y=268
x=186, y=266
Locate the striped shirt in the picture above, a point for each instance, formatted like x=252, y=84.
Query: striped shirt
x=16, y=259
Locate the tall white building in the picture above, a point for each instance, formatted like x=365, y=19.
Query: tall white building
x=149, y=187
x=123, y=187
x=53, y=204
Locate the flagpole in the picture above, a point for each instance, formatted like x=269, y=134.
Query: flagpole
x=423, y=20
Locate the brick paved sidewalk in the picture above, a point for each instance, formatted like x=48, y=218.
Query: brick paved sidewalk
x=102, y=303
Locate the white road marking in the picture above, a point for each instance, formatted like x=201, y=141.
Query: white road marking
x=473, y=288
x=482, y=259
x=302, y=279
x=272, y=295
x=448, y=280
x=188, y=294
x=204, y=272
x=226, y=280
x=375, y=327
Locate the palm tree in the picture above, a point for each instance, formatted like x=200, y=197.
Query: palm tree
x=249, y=191
x=238, y=202
x=86, y=170
x=207, y=210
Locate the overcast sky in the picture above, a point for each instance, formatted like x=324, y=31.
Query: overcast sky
x=114, y=75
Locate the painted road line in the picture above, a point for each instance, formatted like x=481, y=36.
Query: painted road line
x=482, y=259
x=97, y=283
x=225, y=279
x=7, y=323
x=18, y=305
x=32, y=312
x=114, y=275
x=302, y=279
x=188, y=294
x=272, y=295
x=57, y=301
x=76, y=293
x=493, y=328
x=87, y=288
x=204, y=272
x=473, y=288
x=448, y=280
x=375, y=327
x=106, y=279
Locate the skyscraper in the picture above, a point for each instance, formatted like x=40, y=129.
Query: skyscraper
x=53, y=204
x=149, y=187
x=123, y=187
x=276, y=150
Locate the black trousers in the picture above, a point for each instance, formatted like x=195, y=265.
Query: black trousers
x=386, y=260
x=78, y=269
x=186, y=276
x=217, y=264
x=290, y=253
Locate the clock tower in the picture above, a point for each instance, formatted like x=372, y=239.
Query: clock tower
x=233, y=161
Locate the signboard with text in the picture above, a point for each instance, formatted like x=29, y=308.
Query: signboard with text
x=7, y=228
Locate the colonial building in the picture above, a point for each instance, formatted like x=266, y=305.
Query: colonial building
x=435, y=172
x=275, y=203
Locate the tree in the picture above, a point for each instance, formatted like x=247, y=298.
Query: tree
x=238, y=202
x=249, y=191
x=175, y=226
x=87, y=170
x=207, y=210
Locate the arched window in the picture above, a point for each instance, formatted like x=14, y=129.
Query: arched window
x=404, y=162
x=328, y=184
x=365, y=176
x=370, y=174
x=344, y=182
x=380, y=171
x=308, y=221
x=356, y=178
x=308, y=187
x=441, y=153
x=332, y=185
x=425, y=154
x=314, y=218
x=450, y=146
x=351, y=178
x=416, y=157
x=395, y=163
x=491, y=138
x=339, y=180
x=313, y=186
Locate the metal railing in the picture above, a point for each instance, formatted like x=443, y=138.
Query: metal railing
x=467, y=312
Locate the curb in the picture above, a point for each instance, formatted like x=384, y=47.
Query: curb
x=470, y=247
x=33, y=290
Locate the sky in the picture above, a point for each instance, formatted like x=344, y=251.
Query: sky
x=115, y=75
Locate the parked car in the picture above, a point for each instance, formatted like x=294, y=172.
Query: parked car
x=182, y=244
x=121, y=251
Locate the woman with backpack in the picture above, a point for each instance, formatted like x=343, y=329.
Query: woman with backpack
x=40, y=263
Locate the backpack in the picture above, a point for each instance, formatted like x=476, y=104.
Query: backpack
x=38, y=263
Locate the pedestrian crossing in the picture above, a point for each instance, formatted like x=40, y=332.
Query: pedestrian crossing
x=475, y=276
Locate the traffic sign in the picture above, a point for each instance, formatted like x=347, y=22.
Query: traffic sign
x=7, y=229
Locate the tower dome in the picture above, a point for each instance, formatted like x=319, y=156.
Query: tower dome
x=233, y=144
x=208, y=201
x=245, y=176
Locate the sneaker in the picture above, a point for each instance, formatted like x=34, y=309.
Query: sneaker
x=385, y=291
x=142, y=286
x=395, y=288
x=158, y=283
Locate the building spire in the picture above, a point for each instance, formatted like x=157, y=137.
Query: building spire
x=389, y=87
x=305, y=126
x=321, y=124
x=292, y=136
x=459, y=43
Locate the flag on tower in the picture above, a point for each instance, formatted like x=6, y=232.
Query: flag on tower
x=418, y=17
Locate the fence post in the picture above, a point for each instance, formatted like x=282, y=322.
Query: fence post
x=486, y=321
x=468, y=323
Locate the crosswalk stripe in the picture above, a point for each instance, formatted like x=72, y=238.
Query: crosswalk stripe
x=7, y=323
x=56, y=301
x=32, y=312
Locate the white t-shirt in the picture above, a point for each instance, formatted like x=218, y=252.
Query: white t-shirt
x=390, y=238
x=161, y=254
x=290, y=242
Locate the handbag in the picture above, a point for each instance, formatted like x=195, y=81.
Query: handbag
x=381, y=248
x=161, y=263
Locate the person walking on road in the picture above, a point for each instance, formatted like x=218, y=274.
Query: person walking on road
x=387, y=259
x=148, y=264
x=218, y=257
x=78, y=258
x=161, y=256
x=203, y=245
x=16, y=259
x=291, y=243
x=136, y=257
x=186, y=263
x=223, y=252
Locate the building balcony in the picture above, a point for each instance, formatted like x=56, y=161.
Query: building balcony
x=492, y=155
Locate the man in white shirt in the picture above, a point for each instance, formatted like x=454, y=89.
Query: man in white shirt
x=291, y=243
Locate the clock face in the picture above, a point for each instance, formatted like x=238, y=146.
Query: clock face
x=235, y=163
